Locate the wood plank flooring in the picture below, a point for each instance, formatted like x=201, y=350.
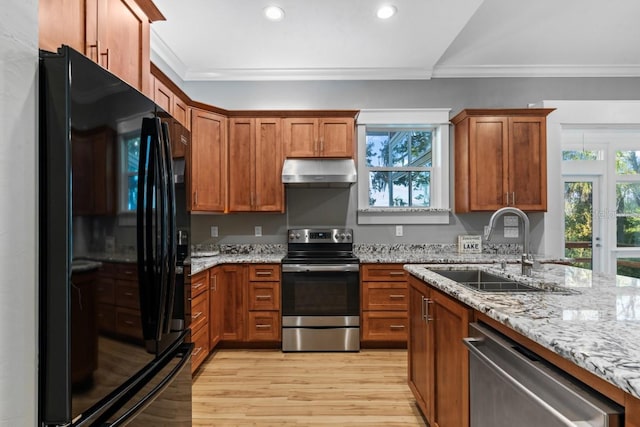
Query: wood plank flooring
x=271, y=388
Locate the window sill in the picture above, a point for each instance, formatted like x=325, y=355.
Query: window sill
x=403, y=216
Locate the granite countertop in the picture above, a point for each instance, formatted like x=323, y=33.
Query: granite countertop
x=84, y=265
x=199, y=264
x=593, y=321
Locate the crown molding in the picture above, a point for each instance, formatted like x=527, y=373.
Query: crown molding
x=268, y=74
x=473, y=71
x=159, y=49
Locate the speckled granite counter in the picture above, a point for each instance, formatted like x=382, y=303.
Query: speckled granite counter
x=594, y=324
x=202, y=263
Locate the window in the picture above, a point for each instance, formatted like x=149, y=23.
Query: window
x=131, y=150
x=399, y=167
x=403, y=166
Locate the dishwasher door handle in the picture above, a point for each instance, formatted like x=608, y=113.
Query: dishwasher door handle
x=472, y=345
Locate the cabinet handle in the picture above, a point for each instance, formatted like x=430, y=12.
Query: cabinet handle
x=264, y=273
x=513, y=198
x=396, y=273
x=214, y=283
x=321, y=145
x=315, y=147
x=428, y=317
x=128, y=322
x=128, y=272
x=263, y=326
x=398, y=296
x=251, y=200
x=422, y=309
x=198, y=285
x=263, y=297
x=195, y=198
x=95, y=46
x=107, y=54
x=128, y=294
x=396, y=326
x=196, y=315
x=196, y=351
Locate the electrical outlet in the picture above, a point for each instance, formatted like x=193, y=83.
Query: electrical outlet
x=258, y=230
x=399, y=231
x=214, y=231
x=512, y=232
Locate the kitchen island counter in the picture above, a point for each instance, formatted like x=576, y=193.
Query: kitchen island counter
x=594, y=323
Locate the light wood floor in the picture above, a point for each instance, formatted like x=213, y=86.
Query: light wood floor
x=271, y=388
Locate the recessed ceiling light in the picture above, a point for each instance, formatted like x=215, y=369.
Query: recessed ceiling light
x=386, y=11
x=273, y=13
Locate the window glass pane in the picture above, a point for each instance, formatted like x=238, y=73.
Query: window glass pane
x=399, y=148
x=400, y=189
x=133, y=153
x=628, y=267
x=627, y=162
x=580, y=155
x=132, y=192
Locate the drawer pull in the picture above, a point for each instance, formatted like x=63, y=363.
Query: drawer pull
x=128, y=322
x=264, y=273
x=196, y=351
x=396, y=296
x=396, y=326
x=263, y=297
x=128, y=272
x=261, y=326
x=196, y=315
x=396, y=273
x=198, y=285
x=128, y=294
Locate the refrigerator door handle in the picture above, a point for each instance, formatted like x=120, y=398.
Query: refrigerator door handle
x=171, y=226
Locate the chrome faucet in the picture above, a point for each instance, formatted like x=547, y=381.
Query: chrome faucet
x=527, y=260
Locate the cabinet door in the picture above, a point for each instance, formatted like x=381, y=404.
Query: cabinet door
x=300, y=137
x=241, y=164
x=61, y=22
x=119, y=34
x=215, y=307
x=163, y=96
x=180, y=112
x=336, y=137
x=528, y=163
x=488, y=163
x=233, y=296
x=420, y=362
x=451, y=361
x=207, y=170
x=269, y=190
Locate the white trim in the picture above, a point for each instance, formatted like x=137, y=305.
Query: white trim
x=404, y=116
x=505, y=71
x=159, y=49
x=293, y=74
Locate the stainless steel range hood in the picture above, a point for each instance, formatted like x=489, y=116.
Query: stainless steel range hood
x=319, y=172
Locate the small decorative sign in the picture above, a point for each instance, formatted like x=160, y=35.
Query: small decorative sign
x=468, y=244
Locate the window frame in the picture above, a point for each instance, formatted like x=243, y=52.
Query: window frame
x=436, y=119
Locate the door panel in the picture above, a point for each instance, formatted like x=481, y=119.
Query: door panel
x=488, y=159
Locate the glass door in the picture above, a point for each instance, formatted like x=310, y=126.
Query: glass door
x=582, y=218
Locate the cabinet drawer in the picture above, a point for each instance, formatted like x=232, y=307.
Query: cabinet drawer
x=385, y=326
x=128, y=323
x=200, y=310
x=127, y=271
x=384, y=296
x=199, y=283
x=264, y=272
x=264, y=295
x=127, y=295
x=263, y=326
x=200, y=340
x=384, y=272
x=106, y=290
x=106, y=317
x=108, y=269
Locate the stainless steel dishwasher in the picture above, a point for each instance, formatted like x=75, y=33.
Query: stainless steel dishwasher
x=510, y=386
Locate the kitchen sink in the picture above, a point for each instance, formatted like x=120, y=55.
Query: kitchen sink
x=483, y=281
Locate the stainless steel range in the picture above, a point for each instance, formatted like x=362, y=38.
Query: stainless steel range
x=320, y=291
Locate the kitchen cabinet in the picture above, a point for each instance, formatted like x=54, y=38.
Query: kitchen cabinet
x=318, y=137
x=113, y=33
x=438, y=361
x=199, y=289
x=215, y=307
x=93, y=157
x=118, y=312
x=263, y=321
x=206, y=168
x=170, y=98
x=233, y=283
x=255, y=165
x=500, y=159
x=384, y=304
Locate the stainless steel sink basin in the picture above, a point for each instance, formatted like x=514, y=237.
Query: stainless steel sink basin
x=486, y=282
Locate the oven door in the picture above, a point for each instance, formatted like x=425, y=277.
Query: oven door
x=320, y=290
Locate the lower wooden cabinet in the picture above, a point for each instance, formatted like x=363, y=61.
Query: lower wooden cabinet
x=118, y=311
x=438, y=361
x=384, y=304
x=199, y=291
x=215, y=307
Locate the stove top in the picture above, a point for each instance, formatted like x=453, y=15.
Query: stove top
x=320, y=246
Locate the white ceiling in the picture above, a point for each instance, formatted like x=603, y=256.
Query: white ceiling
x=343, y=39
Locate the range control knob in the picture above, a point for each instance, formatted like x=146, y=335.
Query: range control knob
x=297, y=235
x=292, y=236
x=343, y=236
x=347, y=236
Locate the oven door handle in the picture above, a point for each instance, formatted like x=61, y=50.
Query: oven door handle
x=312, y=268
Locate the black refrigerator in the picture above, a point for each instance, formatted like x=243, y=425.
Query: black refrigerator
x=113, y=331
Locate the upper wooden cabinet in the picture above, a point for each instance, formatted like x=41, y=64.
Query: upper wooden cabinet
x=501, y=159
x=319, y=137
x=169, y=97
x=206, y=166
x=113, y=33
x=255, y=165
x=93, y=154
